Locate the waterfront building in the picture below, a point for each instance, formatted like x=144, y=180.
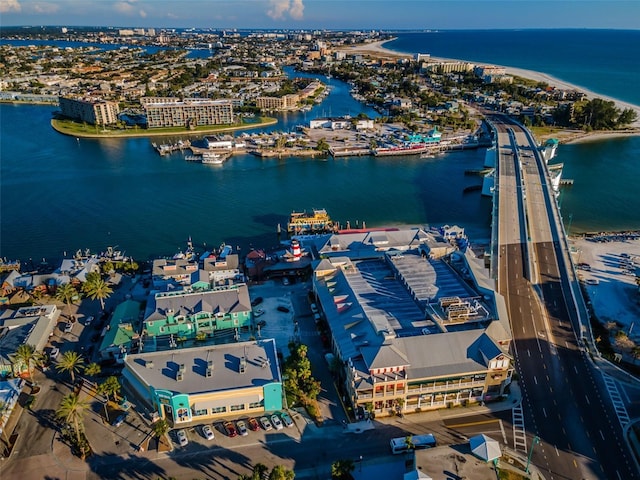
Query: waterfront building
x=286, y=102
x=207, y=383
x=187, y=112
x=195, y=312
x=91, y=111
x=9, y=394
x=449, y=67
x=416, y=326
x=25, y=326
x=173, y=272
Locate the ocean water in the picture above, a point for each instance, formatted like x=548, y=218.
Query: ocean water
x=59, y=194
x=605, y=61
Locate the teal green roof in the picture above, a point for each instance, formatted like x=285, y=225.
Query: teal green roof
x=553, y=141
x=123, y=325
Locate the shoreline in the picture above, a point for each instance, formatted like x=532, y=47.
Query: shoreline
x=379, y=49
x=147, y=134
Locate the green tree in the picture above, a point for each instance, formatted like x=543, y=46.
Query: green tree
x=97, y=288
x=160, y=428
x=71, y=410
x=279, y=472
x=322, y=145
x=71, y=362
x=627, y=116
x=66, y=293
x=341, y=469
x=111, y=387
x=26, y=356
x=92, y=369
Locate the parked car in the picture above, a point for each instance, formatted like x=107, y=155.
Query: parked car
x=68, y=327
x=55, y=351
x=314, y=308
x=242, y=428
x=253, y=424
x=286, y=419
x=261, y=323
x=285, y=281
x=275, y=420
x=283, y=309
x=592, y=281
x=257, y=312
x=265, y=423
x=182, y=437
x=120, y=420
x=230, y=429
x=207, y=432
x=88, y=320
x=256, y=301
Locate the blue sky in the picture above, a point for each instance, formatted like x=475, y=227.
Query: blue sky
x=330, y=14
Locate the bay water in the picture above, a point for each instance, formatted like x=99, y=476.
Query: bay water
x=59, y=193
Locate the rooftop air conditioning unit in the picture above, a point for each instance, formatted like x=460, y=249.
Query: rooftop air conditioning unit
x=209, y=372
x=179, y=376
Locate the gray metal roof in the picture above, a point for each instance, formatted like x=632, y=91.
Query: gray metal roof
x=450, y=353
x=160, y=369
x=188, y=301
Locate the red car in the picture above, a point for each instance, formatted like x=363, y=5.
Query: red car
x=230, y=429
x=253, y=424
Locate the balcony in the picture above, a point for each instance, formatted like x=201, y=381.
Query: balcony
x=444, y=386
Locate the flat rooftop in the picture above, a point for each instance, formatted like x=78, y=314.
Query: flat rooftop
x=160, y=369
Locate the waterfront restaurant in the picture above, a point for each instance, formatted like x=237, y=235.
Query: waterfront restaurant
x=209, y=382
x=413, y=332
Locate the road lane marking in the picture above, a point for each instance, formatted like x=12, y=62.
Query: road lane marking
x=587, y=399
x=601, y=434
x=544, y=412
x=535, y=379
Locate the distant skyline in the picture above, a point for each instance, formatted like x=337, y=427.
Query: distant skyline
x=321, y=14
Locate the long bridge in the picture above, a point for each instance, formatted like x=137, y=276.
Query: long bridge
x=573, y=429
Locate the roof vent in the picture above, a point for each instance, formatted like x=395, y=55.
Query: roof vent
x=210, y=363
x=243, y=365
x=209, y=372
x=149, y=364
x=179, y=376
x=181, y=369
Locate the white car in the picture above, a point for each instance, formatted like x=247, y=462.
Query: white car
x=88, y=320
x=242, y=428
x=207, y=432
x=55, y=351
x=275, y=420
x=68, y=327
x=182, y=438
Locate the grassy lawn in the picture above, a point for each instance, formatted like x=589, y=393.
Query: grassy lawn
x=76, y=129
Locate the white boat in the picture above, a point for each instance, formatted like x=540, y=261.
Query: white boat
x=212, y=158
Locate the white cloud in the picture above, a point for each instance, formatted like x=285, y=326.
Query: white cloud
x=297, y=10
x=10, y=6
x=45, y=8
x=143, y=14
x=126, y=8
x=280, y=8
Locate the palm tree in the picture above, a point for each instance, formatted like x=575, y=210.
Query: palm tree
x=111, y=387
x=92, y=369
x=65, y=293
x=160, y=428
x=97, y=288
x=26, y=356
x=71, y=362
x=71, y=410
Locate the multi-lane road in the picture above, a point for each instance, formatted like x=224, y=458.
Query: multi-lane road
x=567, y=407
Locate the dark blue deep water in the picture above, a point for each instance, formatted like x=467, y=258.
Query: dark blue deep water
x=58, y=194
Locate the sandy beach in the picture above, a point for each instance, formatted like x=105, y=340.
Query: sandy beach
x=377, y=49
